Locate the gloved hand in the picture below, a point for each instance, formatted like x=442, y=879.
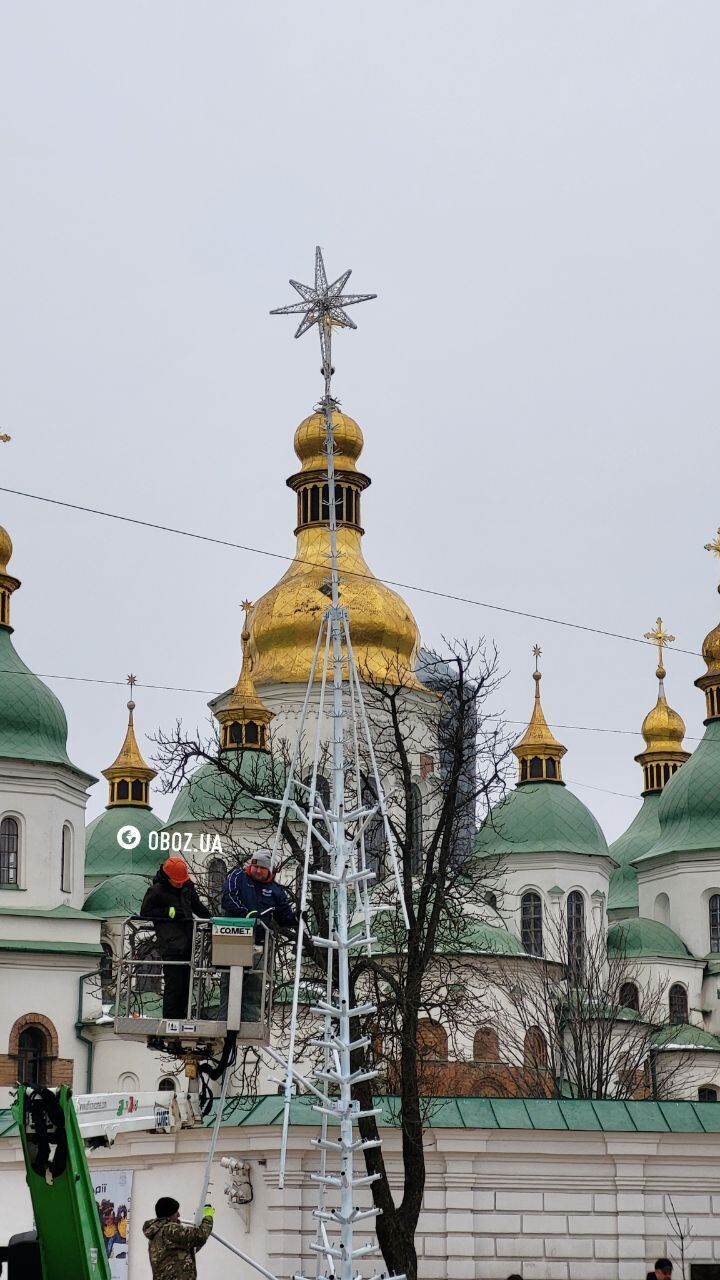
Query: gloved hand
x=208, y=1211
x=171, y=913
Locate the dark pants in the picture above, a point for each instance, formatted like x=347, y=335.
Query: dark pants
x=176, y=988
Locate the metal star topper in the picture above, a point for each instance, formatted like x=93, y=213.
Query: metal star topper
x=537, y=653
x=714, y=546
x=324, y=306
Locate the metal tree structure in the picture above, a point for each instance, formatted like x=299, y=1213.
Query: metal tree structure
x=339, y=830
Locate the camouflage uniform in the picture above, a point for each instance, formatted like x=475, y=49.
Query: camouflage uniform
x=173, y=1246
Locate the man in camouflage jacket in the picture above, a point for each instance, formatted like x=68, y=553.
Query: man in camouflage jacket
x=173, y=1245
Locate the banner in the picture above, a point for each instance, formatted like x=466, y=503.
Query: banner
x=113, y=1189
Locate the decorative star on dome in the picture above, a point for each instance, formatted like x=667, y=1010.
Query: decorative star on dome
x=323, y=305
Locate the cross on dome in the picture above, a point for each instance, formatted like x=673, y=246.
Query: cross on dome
x=660, y=637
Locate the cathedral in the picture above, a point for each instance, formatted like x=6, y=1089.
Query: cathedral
x=653, y=896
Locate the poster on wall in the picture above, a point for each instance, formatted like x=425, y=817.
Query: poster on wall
x=113, y=1189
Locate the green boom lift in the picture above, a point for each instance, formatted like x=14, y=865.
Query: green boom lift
x=66, y=1216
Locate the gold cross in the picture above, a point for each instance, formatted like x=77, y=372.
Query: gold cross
x=714, y=546
x=660, y=637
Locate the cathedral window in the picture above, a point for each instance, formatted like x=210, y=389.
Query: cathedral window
x=251, y=733
x=714, y=907
x=550, y=769
x=523, y=770
x=432, y=1041
x=32, y=1057
x=575, y=930
x=216, y=877
x=167, y=1085
x=535, y=1054
x=375, y=839
x=707, y=1094
x=9, y=850
x=531, y=923
x=314, y=503
x=66, y=860
x=485, y=1045
x=678, y=1004
x=137, y=790
x=123, y=789
x=415, y=833
x=536, y=767
x=629, y=996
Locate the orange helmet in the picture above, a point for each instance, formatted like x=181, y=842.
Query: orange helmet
x=176, y=871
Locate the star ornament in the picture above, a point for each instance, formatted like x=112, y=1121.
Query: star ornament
x=714, y=546
x=323, y=305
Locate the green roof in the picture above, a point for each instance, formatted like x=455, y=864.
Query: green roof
x=645, y=939
x=491, y=939
x=640, y=835
x=539, y=1114
x=689, y=810
x=53, y=913
x=211, y=795
x=32, y=720
x=32, y=944
x=686, y=1036
x=105, y=857
x=541, y=817
x=118, y=896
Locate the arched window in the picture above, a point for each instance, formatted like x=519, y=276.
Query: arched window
x=128, y=1082
x=629, y=996
x=534, y=1050
x=33, y=1057
x=531, y=923
x=375, y=840
x=576, y=930
x=491, y=900
x=137, y=790
x=485, y=1045
x=216, y=877
x=714, y=907
x=167, y=1085
x=707, y=1094
x=536, y=767
x=432, y=1040
x=123, y=789
x=661, y=910
x=678, y=1003
x=415, y=830
x=66, y=860
x=9, y=850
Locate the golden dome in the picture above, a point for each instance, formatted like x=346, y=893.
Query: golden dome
x=663, y=728
x=710, y=682
x=284, y=622
x=6, y=549
x=309, y=442
x=538, y=751
x=244, y=717
x=711, y=651
x=129, y=776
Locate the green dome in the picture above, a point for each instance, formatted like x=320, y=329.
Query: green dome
x=118, y=896
x=541, y=817
x=689, y=809
x=491, y=939
x=639, y=837
x=648, y=939
x=105, y=857
x=212, y=796
x=32, y=721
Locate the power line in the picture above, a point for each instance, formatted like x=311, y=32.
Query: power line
x=390, y=582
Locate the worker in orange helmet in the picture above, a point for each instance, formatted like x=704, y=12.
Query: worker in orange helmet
x=171, y=902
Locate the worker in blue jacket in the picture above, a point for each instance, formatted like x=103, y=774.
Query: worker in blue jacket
x=252, y=891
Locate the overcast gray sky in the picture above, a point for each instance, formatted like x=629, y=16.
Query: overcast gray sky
x=532, y=190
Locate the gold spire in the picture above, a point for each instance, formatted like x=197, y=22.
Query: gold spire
x=284, y=622
x=8, y=584
x=710, y=682
x=663, y=729
x=538, y=752
x=244, y=719
x=129, y=776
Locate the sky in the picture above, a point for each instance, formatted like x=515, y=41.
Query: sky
x=531, y=188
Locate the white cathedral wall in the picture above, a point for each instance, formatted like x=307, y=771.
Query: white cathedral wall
x=44, y=798
x=677, y=893
x=553, y=1205
x=522, y=873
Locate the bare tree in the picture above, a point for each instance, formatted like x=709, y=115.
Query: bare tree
x=443, y=759
x=582, y=1021
x=682, y=1234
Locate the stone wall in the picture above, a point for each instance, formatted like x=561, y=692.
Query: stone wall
x=550, y=1205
